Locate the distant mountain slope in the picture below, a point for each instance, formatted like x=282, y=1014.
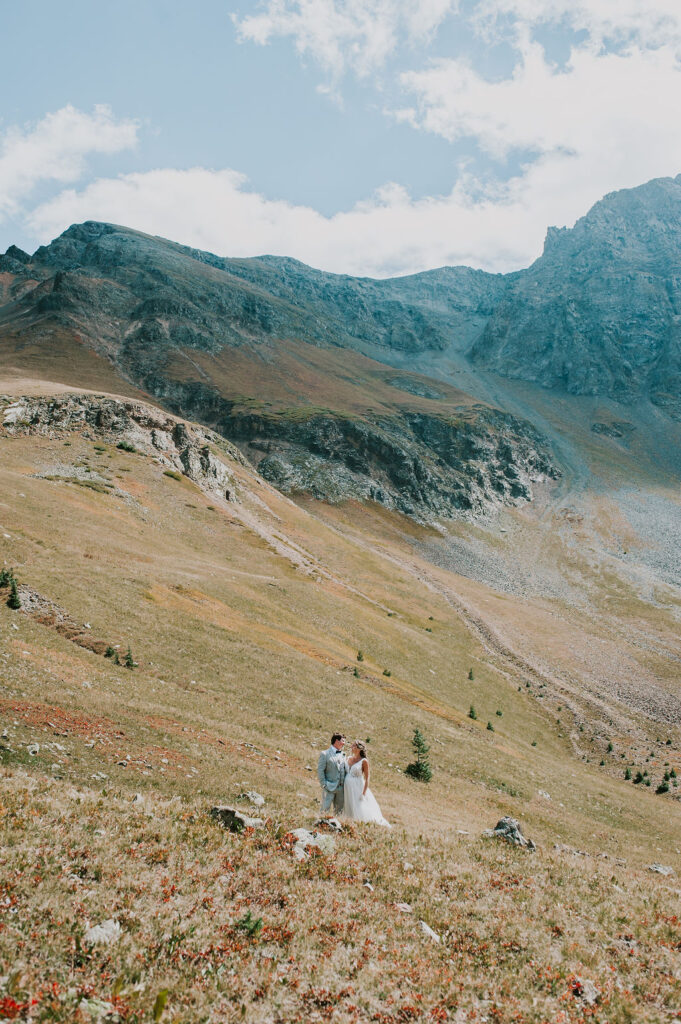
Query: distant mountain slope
x=600, y=312
x=269, y=353
x=203, y=301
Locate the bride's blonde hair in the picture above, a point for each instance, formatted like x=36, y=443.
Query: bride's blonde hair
x=361, y=747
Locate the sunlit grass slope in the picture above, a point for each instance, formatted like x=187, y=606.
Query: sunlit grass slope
x=245, y=664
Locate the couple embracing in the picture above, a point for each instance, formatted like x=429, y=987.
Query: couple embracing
x=345, y=782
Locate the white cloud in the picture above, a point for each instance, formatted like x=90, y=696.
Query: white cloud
x=646, y=23
x=387, y=234
x=604, y=121
x=596, y=102
x=345, y=34
x=55, y=149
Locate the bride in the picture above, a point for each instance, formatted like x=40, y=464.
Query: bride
x=360, y=803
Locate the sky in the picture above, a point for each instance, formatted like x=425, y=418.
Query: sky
x=370, y=137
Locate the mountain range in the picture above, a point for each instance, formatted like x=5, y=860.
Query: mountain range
x=352, y=388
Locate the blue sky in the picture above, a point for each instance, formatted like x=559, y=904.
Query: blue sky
x=365, y=136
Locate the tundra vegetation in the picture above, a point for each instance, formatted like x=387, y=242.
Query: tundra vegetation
x=122, y=899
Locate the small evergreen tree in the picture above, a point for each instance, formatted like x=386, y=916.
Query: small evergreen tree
x=627, y=773
x=472, y=713
x=470, y=674
x=13, y=601
x=128, y=660
x=360, y=656
x=490, y=727
x=420, y=768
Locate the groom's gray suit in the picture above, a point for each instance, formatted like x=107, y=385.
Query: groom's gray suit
x=331, y=771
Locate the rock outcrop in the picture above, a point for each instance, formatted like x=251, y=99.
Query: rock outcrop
x=183, y=449
x=424, y=466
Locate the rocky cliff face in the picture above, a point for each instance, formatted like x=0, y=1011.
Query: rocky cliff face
x=600, y=312
x=422, y=465
x=464, y=463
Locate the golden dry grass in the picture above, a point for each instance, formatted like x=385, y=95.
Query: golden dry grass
x=245, y=667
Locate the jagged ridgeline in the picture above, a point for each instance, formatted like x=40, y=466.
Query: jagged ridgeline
x=312, y=374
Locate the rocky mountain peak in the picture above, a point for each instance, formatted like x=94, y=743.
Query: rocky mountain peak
x=599, y=312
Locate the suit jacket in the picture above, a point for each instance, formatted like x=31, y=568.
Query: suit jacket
x=331, y=769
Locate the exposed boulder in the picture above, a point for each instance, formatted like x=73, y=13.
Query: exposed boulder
x=509, y=829
x=103, y=934
x=256, y=799
x=584, y=989
x=428, y=932
x=661, y=869
x=233, y=819
x=331, y=824
x=306, y=841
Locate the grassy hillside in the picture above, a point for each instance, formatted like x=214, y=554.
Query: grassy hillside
x=245, y=618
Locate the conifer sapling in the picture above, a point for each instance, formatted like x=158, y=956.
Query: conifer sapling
x=13, y=601
x=420, y=768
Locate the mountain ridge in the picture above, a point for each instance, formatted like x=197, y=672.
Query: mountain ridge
x=279, y=356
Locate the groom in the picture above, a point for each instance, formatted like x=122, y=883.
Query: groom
x=331, y=771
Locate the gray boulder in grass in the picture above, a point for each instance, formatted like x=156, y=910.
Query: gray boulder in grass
x=661, y=869
x=103, y=934
x=306, y=841
x=509, y=829
x=234, y=820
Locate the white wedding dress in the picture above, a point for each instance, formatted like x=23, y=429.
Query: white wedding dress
x=356, y=806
